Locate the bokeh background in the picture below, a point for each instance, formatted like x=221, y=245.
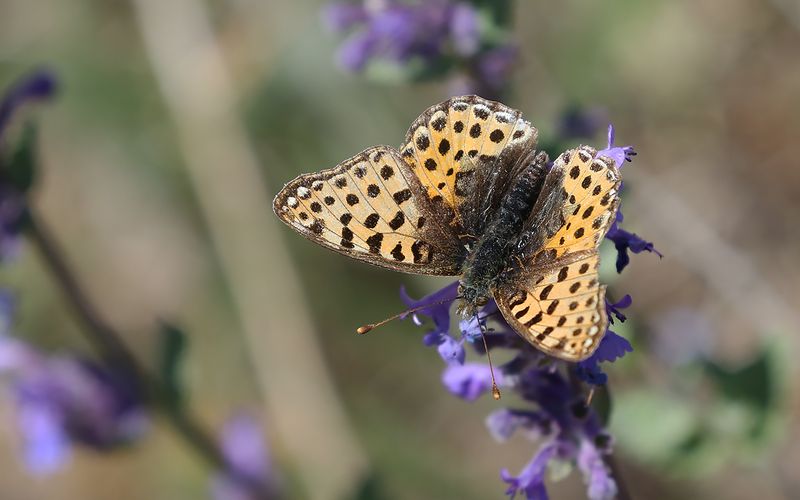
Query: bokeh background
x=175, y=124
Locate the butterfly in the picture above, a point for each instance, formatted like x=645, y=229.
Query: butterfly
x=468, y=195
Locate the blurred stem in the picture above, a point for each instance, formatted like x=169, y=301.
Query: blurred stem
x=622, y=488
x=300, y=400
x=109, y=343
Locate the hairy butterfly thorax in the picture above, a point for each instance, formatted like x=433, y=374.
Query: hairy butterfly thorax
x=496, y=252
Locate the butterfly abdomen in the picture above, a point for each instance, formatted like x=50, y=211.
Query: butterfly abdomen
x=494, y=249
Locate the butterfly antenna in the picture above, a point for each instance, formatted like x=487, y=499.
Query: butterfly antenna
x=495, y=389
x=368, y=328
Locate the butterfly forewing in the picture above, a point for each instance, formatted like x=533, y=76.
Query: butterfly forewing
x=590, y=194
x=371, y=207
x=560, y=308
x=449, y=141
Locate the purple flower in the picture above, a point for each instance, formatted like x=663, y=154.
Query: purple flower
x=465, y=29
x=530, y=481
x=596, y=474
x=423, y=39
x=504, y=422
x=495, y=66
x=62, y=400
x=34, y=87
x=579, y=123
x=12, y=211
x=611, y=348
x=470, y=380
x=249, y=463
x=38, y=85
x=624, y=241
x=390, y=30
x=614, y=309
x=682, y=335
x=619, y=154
x=341, y=16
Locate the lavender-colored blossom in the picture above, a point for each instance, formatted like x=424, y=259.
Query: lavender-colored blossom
x=494, y=68
x=530, y=481
x=596, y=474
x=390, y=30
x=682, y=335
x=620, y=154
x=470, y=380
x=63, y=399
x=625, y=241
x=249, y=463
x=34, y=87
x=614, y=310
x=38, y=85
x=580, y=123
x=465, y=29
x=12, y=211
x=611, y=348
x=423, y=38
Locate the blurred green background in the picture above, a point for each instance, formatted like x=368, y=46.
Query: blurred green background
x=158, y=168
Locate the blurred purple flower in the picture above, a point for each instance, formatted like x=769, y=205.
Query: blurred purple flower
x=12, y=211
x=36, y=86
x=439, y=34
x=596, y=474
x=249, y=463
x=389, y=30
x=495, y=66
x=530, y=481
x=580, y=123
x=682, y=335
x=63, y=399
x=465, y=29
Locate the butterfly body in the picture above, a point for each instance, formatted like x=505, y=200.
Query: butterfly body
x=468, y=195
x=496, y=254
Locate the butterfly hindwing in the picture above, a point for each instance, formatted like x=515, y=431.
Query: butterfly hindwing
x=372, y=208
x=560, y=308
x=449, y=142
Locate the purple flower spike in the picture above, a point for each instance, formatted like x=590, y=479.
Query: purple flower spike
x=38, y=85
x=530, y=481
